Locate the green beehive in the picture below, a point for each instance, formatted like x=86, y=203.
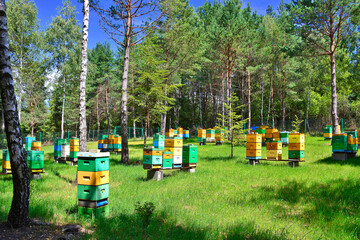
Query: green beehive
x=352, y=132
x=117, y=146
x=152, y=159
x=93, y=193
x=167, y=163
x=296, y=154
x=189, y=154
x=97, y=212
x=6, y=155
x=93, y=164
x=339, y=142
x=73, y=154
x=57, y=153
x=110, y=146
x=35, y=155
x=103, y=137
x=219, y=130
x=210, y=131
x=352, y=147
x=158, y=137
x=260, y=130
x=284, y=135
x=328, y=130
x=339, y=146
x=35, y=164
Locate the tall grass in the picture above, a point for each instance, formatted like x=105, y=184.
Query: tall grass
x=225, y=199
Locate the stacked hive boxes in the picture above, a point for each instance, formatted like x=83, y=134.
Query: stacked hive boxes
x=210, y=135
x=6, y=166
x=117, y=143
x=328, y=132
x=93, y=183
x=175, y=146
x=110, y=143
x=180, y=132
x=159, y=141
x=272, y=134
x=65, y=151
x=35, y=160
x=167, y=160
x=219, y=135
x=74, y=149
x=28, y=141
x=274, y=150
x=261, y=130
x=202, y=136
x=186, y=134
x=189, y=157
x=339, y=142
x=253, y=146
x=170, y=133
x=352, y=140
x=297, y=146
x=101, y=141
x=152, y=158
x=36, y=146
x=284, y=136
x=57, y=147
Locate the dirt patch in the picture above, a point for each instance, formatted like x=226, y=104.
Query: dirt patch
x=40, y=230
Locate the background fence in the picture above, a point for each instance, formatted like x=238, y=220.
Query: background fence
x=314, y=127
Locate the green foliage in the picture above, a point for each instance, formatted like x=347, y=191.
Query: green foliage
x=296, y=124
x=145, y=213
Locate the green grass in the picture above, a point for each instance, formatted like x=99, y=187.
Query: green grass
x=225, y=199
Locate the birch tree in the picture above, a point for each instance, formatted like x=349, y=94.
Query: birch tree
x=19, y=211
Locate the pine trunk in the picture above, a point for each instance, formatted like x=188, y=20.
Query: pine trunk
x=283, y=96
x=107, y=107
x=249, y=97
x=97, y=112
x=19, y=211
x=82, y=90
x=262, y=100
x=124, y=99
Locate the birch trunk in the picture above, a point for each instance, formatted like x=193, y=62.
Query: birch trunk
x=63, y=110
x=82, y=90
x=334, y=115
x=19, y=211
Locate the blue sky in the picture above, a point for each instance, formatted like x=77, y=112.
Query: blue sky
x=47, y=9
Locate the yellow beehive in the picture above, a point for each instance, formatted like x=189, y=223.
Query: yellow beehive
x=117, y=140
x=93, y=178
x=74, y=142
x=176, y=151
x=6, y=164
x=328, y=135
x=202, y=133
x=274, y=154
x=296, y=138
x=173, y=142
x=253, y=138
x=253, y=153
x=100, y=141
x=296, y=146
x=180, y=130
x=152, y=152
x=273, y=146
x=74, y=148
x=111, y=137
x=253, y=146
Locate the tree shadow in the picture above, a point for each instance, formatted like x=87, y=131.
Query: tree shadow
x=335, y=202
x=351, y=161
x=129, y=226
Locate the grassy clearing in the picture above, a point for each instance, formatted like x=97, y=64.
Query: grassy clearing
x=224, y=199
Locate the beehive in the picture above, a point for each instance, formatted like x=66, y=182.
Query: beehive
x=297, y=146
x=6, y=166
x=327, y=132
x=74, y=149
x=152, y=158
x=186, y=134
x=253, y=146
x=201, y=133
x=175, y=145
x=93, y=184
x=57, y=147
x=190, y=154
x=159, y=141
x=274, y=150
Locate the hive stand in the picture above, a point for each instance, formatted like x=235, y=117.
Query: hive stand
x=155, y=174
x=290, y=162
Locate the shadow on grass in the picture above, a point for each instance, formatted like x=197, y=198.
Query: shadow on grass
x=351, y=161
x=167, y=174
x=6, y=177
x=128, y=226
x=334, y=203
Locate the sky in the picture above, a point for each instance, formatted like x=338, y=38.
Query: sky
x=47, y=9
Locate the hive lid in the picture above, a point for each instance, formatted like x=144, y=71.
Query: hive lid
x=96, y=155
